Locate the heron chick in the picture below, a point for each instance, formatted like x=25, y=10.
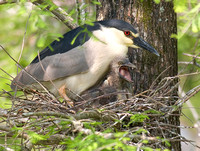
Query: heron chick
x=111, y=88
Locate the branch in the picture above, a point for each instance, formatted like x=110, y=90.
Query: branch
x=187, y=63
x=60, y=14
x=83, y=115
x=190, y=55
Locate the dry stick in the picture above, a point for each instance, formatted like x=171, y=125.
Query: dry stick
x=187, y=63
x=152, y=99
x=188, y=95
x=84, y=115
x=166, y=79
x=23, y=40
x=166, y=92
x=44, y=71
x=190, y=55
x=6, y=73
x=153, y=84
x=188, y=74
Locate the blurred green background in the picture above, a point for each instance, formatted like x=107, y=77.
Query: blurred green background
x=26, y=29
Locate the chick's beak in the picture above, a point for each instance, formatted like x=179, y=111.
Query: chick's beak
x=124, y=71
x=143, y=44
x=129, y=65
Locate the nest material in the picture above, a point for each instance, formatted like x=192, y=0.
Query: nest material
x=150, y=111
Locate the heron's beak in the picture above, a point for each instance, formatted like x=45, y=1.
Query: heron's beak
x=143, y=44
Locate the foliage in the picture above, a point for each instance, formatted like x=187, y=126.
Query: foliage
x=137, y=118
x=188, y=43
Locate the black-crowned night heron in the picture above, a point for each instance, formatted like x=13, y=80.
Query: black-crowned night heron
x=81, y=58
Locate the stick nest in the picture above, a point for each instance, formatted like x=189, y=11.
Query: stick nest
x=147, y=119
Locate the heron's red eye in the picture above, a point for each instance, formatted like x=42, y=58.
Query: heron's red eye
x=127, y=33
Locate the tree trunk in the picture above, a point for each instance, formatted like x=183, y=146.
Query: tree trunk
x=155, y=23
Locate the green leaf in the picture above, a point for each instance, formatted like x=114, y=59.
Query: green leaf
x=147, y=149
x=40, y=23
x=194, y=27
x=138, y=118
x=73, y=11
x=167, y=143
x=145, y=141
x=74, y=39
x=34, y=137
x=140, y=131
x=180, y=5
x=96, y=2
x=41, y=42
x=152, y=111
x=174, y=36
x=198, y=22
x=53, y=7
x=157, y=1
x=89, y=23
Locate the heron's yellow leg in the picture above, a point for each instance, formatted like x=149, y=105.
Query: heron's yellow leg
x=62, y=93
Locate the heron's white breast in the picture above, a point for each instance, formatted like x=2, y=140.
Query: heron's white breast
x=99, y=54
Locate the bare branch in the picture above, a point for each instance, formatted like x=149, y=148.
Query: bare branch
x=59, y=13
x=190, y=55
x=187, y=63
x=83, y=115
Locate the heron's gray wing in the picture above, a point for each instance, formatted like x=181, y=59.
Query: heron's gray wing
x=54, y=67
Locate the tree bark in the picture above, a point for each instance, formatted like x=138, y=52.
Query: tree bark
x=155, y=23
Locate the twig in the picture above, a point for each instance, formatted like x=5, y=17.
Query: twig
x=83, y=115
x=193, y=111
x=188, y=95
x=187, y=63
x=190, y=55
x=59, y=13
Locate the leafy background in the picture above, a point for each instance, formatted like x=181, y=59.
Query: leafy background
x=28, y=29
